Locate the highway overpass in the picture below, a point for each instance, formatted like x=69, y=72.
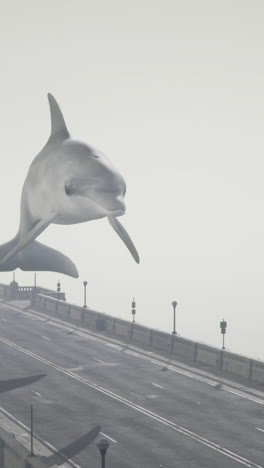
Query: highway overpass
x=154, y=412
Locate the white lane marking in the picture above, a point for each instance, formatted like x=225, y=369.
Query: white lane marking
x=31, y=316
x=76, y=369
x=203, y=380
x=108, y=437
x=110, y=345
x=98, y=360
x=157, y=385
x=242, y=396
x=85, y=336
x=67, y=328
x=176, y=427
x=170, y=367
x=258, y=428
x=155, y=362
x=4, y=320
x=132, y=353
x=46, y=337
x=55, y=324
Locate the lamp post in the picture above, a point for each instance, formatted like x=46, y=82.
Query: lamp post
x=35, y=280
x=223, y=326
x=133, y=309
x=102, y=445
x=85, y=285
x=58, y=289
x=174, y=304
x=31, y=432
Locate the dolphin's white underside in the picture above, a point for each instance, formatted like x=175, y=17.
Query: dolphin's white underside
x=67, y=183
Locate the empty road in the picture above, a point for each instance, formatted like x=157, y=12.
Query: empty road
x=154, y=414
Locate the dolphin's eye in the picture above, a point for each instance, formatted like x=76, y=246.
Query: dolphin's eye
x=69, y=189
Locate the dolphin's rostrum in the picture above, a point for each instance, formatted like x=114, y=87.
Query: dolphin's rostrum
x=68, y=182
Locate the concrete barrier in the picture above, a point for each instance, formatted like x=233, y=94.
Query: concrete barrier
x=235, y=364
x=161, y=340
x=257, y=371
x=178, y=347
x=37, y=302
x=14, y=455
x=51, y=305
x=48, y=292
x=122, y=328
x=3, y=290
x=108, y=322
x=140, y=334
x=76, y=313
x=207, y=355
x=183, y=348
x=63, y=309
x=89, y=318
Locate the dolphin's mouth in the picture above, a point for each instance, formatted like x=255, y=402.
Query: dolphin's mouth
x=116, y=213
x=107, y=212
x=72, y=191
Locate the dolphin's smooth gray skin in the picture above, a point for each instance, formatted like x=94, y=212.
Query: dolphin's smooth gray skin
x=68, y=182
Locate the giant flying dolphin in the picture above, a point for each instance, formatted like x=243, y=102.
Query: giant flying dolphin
x=68, y=182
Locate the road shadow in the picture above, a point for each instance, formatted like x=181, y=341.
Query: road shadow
x=69, y=451
x=12, y=384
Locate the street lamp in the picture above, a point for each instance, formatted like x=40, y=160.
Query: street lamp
x=58, y=289
x=31, y=432
x=85, y=285
x=223, y=326
x=133, y=309
x=102, y=445
x=174, y=304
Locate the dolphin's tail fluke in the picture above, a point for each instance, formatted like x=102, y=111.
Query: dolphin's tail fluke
x=36, y=257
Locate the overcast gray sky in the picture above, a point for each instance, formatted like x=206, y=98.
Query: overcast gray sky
x=173, y=92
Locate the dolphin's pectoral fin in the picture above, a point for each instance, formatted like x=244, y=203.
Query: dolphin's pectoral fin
x=39, y=257
x=10, y=265
x=30, y=236
x=120, y=230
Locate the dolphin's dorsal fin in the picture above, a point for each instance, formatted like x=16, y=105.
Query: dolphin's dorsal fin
x=59, y=130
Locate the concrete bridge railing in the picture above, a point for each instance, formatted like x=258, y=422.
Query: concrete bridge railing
x=14, y=291
x=182, y=349
x=15, y=455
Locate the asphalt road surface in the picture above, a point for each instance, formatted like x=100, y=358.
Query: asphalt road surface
x=153, y=414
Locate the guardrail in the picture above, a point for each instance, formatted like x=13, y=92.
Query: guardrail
x=182, y=349
x=14, y=455
x=14, y=291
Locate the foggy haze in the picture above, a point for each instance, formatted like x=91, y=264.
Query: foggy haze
x=172, y=92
